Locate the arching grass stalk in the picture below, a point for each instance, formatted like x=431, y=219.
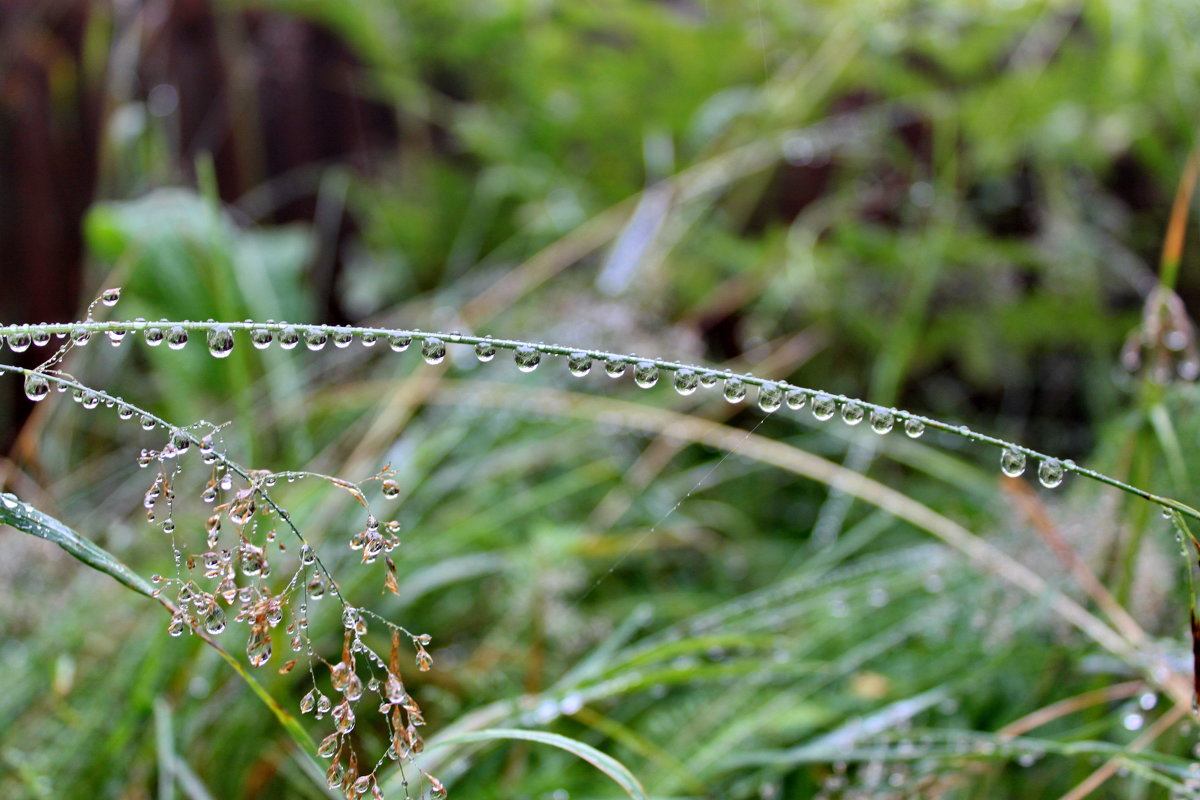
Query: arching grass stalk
x=686, y=377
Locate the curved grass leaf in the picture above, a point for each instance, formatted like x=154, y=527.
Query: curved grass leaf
x=614, y=769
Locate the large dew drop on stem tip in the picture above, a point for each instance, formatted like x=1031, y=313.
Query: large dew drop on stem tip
x=220, y=342
x=1012, y=462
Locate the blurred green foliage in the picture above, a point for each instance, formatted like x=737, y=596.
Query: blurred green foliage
x=955, y=207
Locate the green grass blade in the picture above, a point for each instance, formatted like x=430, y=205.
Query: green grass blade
x=614, y=769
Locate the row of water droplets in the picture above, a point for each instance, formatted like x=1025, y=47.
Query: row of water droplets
x=686, y=380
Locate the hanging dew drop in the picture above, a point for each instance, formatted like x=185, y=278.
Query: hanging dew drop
x=214, y=621
x=852, y=413
x=433, y=350
x=1012, y=462
x=41, y=337
x=824, y=407
x=913, y=428
x=391, y=489
x=124, y=412
x=1050, y=473
x=735, y=389
x=645, y=374
x=154, y=336
x=220, y=342
x=614, y=368
x=116, y=336
x=399, y=342
x=686, y=382
x=19, y=342
x=177, y=337
x=882, y=421
x=289, y=337
x=315, y=338
x=579, y=364
x=527, y=358
x=485, y=351
x=795, y=399
x=36, y=387
x=90, y=400
x=342, y=338
x=81, y=336
x=368, y=339
x=110, y=297
x=770, y=397
x=261, y=338
x=148, y=423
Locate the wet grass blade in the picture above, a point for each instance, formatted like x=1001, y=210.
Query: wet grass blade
x=614, y=769
x=25, y=518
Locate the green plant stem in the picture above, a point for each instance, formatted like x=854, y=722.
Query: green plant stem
x=455, y=338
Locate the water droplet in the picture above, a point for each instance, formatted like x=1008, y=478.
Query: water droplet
x=175, y=628
x=882, y=421
x=214, y=621
x=315, y=338
x=308, y=701
x=36, y=387
x=353, y=688
x=258, y=646
x=124, y=412
x=391, y=489
x=89, y=400
x=1050, y=472
x=110, y=297
x=343, y=715
x=485, y=351
x=527, y=358
x=81, y=336
x=433, y=350
x=1133, y=722
x=579, y=364
x=1012, y=462
x=645, y=374
x=770, y=397
x=41, y=337
x=399, y=342
x=424, y=660
x=19, y=342
x=368, y=339
x=735, y=389
x=686, y=382
x=824, y=407
x=795, y=399
x=1147, y=701
x=852, y=413
x=154, y=336
x=328, y=746
x=177, y=337
x=116, y=336
x=614, y=368
x=220, y=342
x=289, y=337
x=261, y=338
x=913, y=428
x=342, y=338
x=307, y=556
